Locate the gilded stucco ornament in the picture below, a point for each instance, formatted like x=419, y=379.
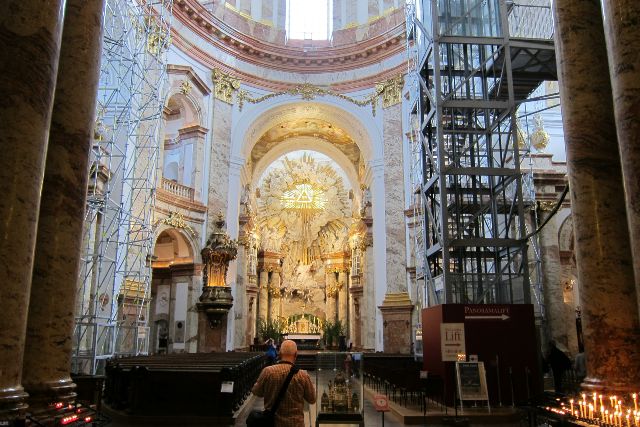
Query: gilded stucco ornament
x=176, y=220
x=520, y=136
x=185, y=87
x=547, y=206
x=158, y=38
x=224, y=86
x=390, y=91
x=333, y=288
x=539, y=138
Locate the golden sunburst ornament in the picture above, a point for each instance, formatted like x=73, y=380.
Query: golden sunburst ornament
x=304, y=196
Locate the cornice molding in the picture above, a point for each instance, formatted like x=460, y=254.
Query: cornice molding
x=286, y=58
x=190, y=75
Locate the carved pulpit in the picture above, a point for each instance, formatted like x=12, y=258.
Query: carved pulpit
x=216, y=300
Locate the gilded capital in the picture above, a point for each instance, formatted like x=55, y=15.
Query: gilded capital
x=224, y=86
x=391, y=91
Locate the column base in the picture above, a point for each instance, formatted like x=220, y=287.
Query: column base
x=396, y=316
x=43, y=395
x=607, y=387
x=13, y=403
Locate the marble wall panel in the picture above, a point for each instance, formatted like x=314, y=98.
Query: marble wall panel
x=394, y=200
x=219, y=170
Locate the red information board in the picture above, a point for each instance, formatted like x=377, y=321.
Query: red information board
x=381, y=403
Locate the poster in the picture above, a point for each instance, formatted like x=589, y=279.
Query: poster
x=452, y=341
x=472, y=382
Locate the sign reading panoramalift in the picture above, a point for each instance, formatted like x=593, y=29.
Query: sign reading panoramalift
x=488, y=312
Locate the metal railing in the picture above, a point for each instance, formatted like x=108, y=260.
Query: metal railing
x=531, y=19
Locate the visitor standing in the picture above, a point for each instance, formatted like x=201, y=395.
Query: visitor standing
x=272, y=351
x=559, y=363
x=290, y=411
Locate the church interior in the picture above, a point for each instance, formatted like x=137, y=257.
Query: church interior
x=437, y=200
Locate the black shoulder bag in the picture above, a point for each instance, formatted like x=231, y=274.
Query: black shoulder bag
x=266, y=418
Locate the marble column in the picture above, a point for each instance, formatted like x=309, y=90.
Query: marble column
x=331, y=312
x=263, y=305
x=622, y=33
x=560, y=317
x=368, y=304
x=343, y=298
x=48, y=346
x=30, y=32
x=356, y=318
x=603, y=254
x=275, y=300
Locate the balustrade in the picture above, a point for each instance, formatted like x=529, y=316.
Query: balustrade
x=177, y=189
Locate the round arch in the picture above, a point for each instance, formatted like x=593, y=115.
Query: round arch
x=311, y=144
x=183, y=244
x=255, y=120
x=192, y=108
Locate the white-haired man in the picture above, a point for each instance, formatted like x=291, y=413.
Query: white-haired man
x=290, y=412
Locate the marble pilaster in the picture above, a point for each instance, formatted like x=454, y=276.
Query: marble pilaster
x=396, y=258
x=275, y=301
x=622, y=33
x=252, y=295
x=195, y=289
x=194, y=135
x=331, y=304
x=603, y=254
x=356, y=318
x=31, y=33
x=263, y=306
x=559, y=315
x=368, y=308
x=240, y=298
x=219, y=165
x=48, y=345
x=343, y=298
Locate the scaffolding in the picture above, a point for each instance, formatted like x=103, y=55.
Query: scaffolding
x=114, y=282
x=469, y=197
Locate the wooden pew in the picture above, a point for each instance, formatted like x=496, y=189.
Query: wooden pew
x=175, y=384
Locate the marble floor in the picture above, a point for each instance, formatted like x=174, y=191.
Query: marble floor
x=371, y=417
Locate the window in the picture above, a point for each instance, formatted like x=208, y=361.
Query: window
x=308, y=19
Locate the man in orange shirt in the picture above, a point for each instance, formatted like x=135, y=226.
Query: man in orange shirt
x=290, y=412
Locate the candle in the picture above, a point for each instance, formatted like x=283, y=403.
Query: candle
x=635, y=401
x=590, y=411
x=571, y=402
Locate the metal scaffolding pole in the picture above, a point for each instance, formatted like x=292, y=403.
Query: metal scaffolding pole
x=466, y=163
x=114, y=283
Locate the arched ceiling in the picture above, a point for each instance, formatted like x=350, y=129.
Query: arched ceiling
x=283, y=122
x=306, y=127
x=275, y=152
